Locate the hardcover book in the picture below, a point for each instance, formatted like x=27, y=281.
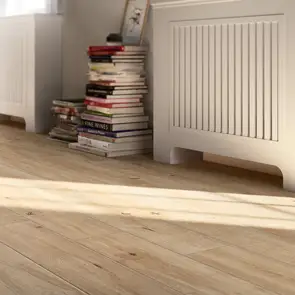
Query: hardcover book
x=114, y=127
x=116, y=134
x=107, y=154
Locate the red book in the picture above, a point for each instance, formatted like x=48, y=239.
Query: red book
x=118, y=53
x=113, y=105
x=116, y=48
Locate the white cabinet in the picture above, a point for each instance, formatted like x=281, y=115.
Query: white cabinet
x=30, y=71
x=224, y=81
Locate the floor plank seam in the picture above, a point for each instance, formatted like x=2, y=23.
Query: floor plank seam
x=176, y=253
x=46, y=269
x=96, y=252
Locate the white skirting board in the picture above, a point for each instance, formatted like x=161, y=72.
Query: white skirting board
x=30, y=73
x=223, y=81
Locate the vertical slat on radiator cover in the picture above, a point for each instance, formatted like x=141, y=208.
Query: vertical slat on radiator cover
x=14, y=62
x=226, y=77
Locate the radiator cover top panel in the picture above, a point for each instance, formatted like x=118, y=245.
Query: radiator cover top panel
x=226, y=75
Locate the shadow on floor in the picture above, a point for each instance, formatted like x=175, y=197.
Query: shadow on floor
x=100, y=252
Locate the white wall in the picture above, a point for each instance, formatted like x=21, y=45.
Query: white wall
x=86, y=23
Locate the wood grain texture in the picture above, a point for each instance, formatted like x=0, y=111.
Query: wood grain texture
x=89, y=271
x=19, y=275
x=133, y=226
x=254, y=268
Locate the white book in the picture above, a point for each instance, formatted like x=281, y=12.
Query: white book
x=137, y=52
x=109, y=120
x=117, y=140
x=106, y=76
x=121, y=99
x=107, y=154
x=117, y=111
x=119, y=92
x=128, y=57
x=121, y=65
x=119, y=134
x=130, y=126
x=96, y=78
x=108, y=146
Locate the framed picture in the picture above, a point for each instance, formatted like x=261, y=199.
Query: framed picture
x=135, y=18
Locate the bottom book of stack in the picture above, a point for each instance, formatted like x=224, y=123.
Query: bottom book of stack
x=114, y=144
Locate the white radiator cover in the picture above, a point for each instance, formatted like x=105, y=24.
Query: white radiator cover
x=223, y=80
x=30, y=73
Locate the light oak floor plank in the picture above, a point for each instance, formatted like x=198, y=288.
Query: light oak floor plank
x=266, y=273
x=8, y=216
x=89, y=271
x=19, y=275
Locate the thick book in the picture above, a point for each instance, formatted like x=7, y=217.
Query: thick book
x=114, y=127
x=113, y=58
x=112, y=88
x=94, y=113
x=95, y=57
x=59, y=130
x=68, y=119
x=111, y=83
x=129, y=99
x=105, y=96
x=116, y=134
x=113, y=105
x=109, y=146
x=110, y=120
x=69, y=103
x=119, y=72
x=116, y=111
x=71, y=111
x=118, y=53
x=117, y=67
x=117, y=48
x=116, y=140
x=64, y=137
x=103, y=92
x=130, y=80
x=107, y=154
x=115, y=76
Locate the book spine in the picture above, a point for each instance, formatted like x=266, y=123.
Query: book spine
x=96, y=132
x=98, y=137
x=96, y=95
x=97, y=125
x=94, y=86
x=105, y=100
x=106, y=48
x=100, y=60
x=95, y=118
x=93, y=143
x=113, y=105
x=106, y=111
x=87, y=149
x=99, y=105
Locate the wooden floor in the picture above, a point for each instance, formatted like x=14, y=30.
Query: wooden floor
x=79, y=224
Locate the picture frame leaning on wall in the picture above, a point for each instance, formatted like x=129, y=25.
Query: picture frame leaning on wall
x=134, y=22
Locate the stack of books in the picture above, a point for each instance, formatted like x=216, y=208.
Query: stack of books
x=67, y=115
x=115, y=123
